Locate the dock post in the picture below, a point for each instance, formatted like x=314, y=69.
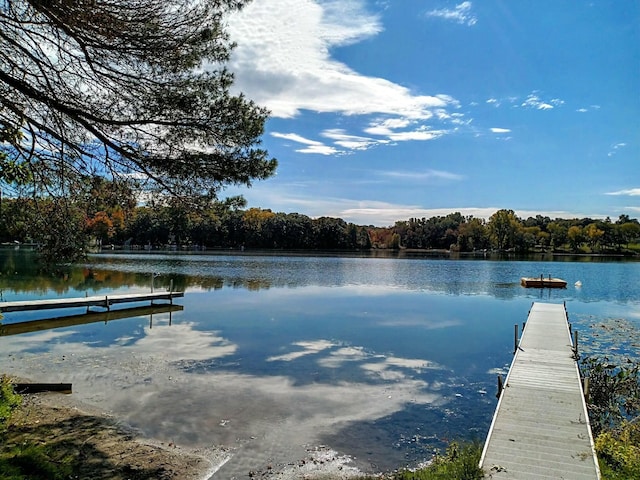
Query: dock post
x=575, y=345
x=152, y=279
x=500, y=386
x=586, y=388
x=515, y=338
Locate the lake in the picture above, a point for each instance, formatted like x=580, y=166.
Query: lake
x=383, y=358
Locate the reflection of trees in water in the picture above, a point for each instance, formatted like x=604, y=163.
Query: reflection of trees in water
x=20, y=273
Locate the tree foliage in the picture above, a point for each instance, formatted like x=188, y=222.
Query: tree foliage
x=129, y=89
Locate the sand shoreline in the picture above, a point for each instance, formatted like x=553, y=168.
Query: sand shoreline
x=111, y=449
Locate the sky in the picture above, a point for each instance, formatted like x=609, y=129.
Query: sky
x=387, y=110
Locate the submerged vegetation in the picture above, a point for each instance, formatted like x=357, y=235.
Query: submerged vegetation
x=614, y=413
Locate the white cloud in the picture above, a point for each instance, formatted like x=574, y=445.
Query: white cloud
x=283, y=62
x=313, y=146
x=632, y=192
x=351, y=142
x=320, y=150
x=389, y=128
x=295, y=138
x=460, y=14
x=500, y=130
x=535, y=102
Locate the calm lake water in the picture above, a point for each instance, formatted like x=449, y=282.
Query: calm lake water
x=380, y=358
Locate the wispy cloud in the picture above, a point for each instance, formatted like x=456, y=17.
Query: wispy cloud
x=535, y=102
x=344, y=142
x=588, y=109
x=631, y=192
x=500, y=130
x=351, y=142
x=402, y=129
x=460, y=14
x=532, y=101
x=319, y=150
x=615, y=148
x=294, y=137
x=426, y=175
x=312, y=146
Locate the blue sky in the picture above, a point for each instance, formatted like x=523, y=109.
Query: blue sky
x=386, y=110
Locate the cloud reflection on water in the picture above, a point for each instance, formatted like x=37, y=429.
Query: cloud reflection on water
x=143, y=380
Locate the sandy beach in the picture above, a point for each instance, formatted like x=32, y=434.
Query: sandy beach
x=110, y=449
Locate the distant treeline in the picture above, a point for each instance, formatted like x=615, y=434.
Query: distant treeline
x=228, y=225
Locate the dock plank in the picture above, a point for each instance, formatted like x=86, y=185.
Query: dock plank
x=104, y=301
x=541, y=429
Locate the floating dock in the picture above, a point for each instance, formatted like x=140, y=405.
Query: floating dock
x=540, y=429
x=541, y=282
x=104, y=301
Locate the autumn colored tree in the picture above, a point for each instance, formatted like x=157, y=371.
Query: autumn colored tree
x=575, y=235
x=593, y=234
x=257, y=228
x=101, y=227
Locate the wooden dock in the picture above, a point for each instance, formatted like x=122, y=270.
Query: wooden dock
x=542, y=282
x=540, y=429
x=104, y=301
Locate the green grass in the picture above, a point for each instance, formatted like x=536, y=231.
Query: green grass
x=619, y=452
x=26, y=460
x=35, y=462
x=460, y=462
x=9, y=401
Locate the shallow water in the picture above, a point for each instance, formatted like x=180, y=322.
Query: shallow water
x=380, y=358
